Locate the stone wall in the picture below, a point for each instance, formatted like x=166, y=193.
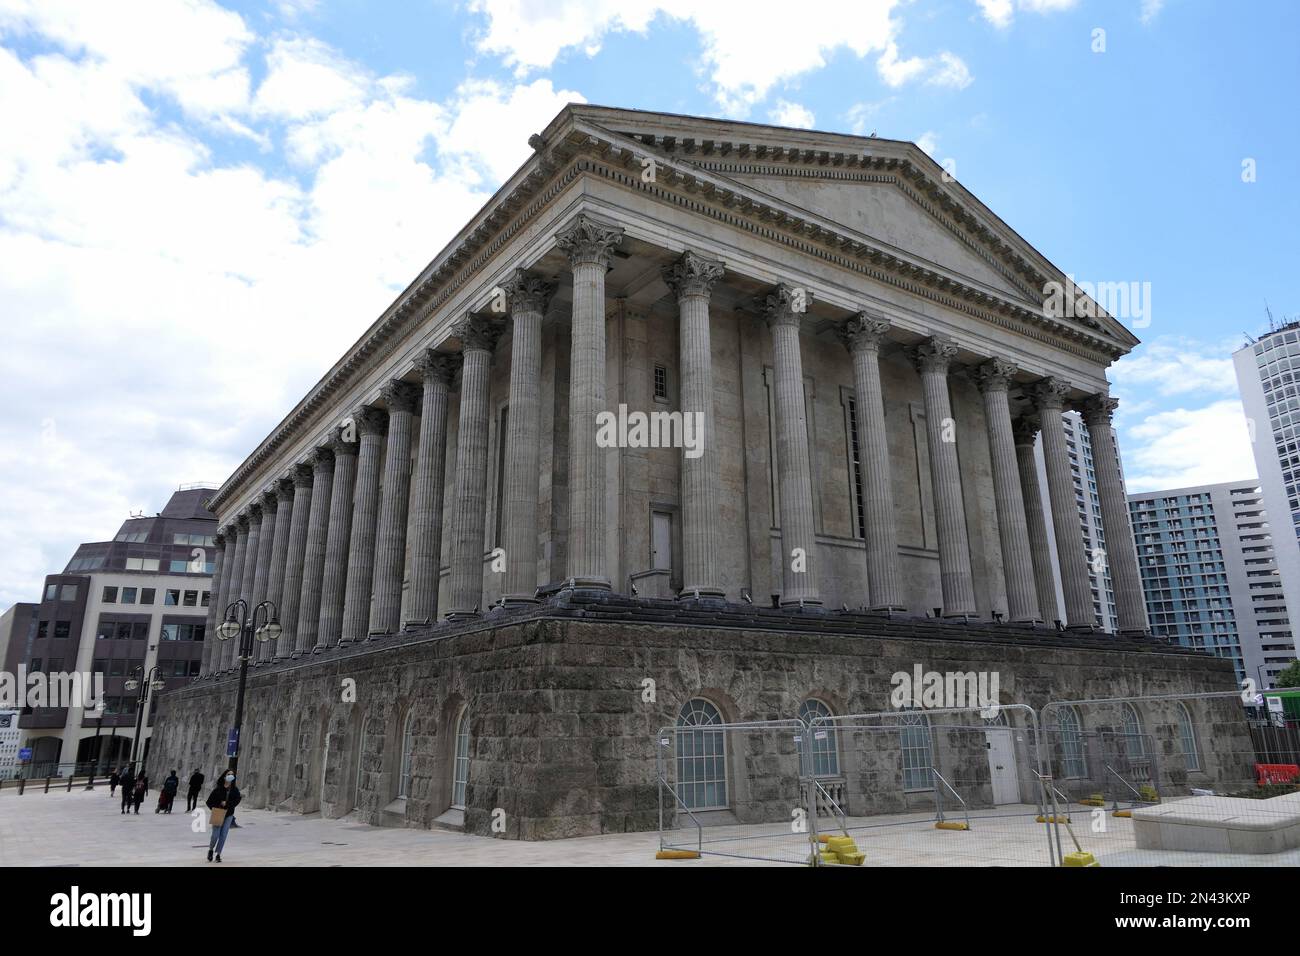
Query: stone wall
x=562, y=739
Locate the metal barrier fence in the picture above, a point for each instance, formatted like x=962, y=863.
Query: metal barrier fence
x=1173, y=780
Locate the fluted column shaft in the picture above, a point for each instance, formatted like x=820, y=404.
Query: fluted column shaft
x=785, y=308
x=335, y=573
x=265, y=549
x=279, y=556
x=528, y=296
x=588, y=244
x=1013, y=531
x=1035, y=520
x=957, y=580
x=372, y=424
x=471, y=471
x=251, y=552
x=390, y=536
x=216, y=607
x=1121, y=548
x=313, y=562
x=291, y=586
x=863, y=336
x=691, y=278
x=225, y=653
x=1070, y=553
x=427, y=494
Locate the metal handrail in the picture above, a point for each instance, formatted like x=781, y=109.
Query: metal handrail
x=1137, y=793
x=837, y=810
x=938, y=801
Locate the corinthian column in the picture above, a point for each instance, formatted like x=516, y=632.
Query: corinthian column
x=313, y=562
x=390, y=542
x=933, y=359
x=225, y=654
x=216, y=600
x=784, y=309
x=994, y=378
x=265, y=548
x=862, y=337
x=478, y=338
x=528, y=296
x=372, y=425
x=1121, y=548
x=291, y=586
x=589, y=244
x=1049, y=395
x=283, y=491
x=1025, y=431
x=335, y=572
x=437, y=371
x=691, y=280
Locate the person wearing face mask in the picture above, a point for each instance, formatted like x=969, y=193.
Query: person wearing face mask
x=224, y=797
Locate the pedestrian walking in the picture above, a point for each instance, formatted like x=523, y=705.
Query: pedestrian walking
x=223, y=799
x=128, y=789
x=113, y=780
x=196, y=787
x=138, y=794
x=171, y=784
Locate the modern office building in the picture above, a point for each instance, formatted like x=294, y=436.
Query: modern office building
x=1211, y=576
x=9, y=736
x=1268, y=376
x=120, y=608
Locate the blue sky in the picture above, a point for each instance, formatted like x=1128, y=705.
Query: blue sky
x=202, y=205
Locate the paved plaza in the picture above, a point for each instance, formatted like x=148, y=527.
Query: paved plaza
x=85, y=828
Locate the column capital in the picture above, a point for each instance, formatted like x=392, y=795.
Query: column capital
x=284, y=490
x=1098, y=409
x=864, y=332
x=587, y=240
x=476, y=333
x=692, y=274
x=526, y=292
x=241, y=522
x=400, y=396
x=321, y=461
x=1049, y=393
x=785, y=305
x=1025, y=430
x=302, y=476
x=219, y=539
x=340, y=444
x=995, y=375
x=270, y=501
x=935, y=354
x=255, y=510
x=437, y=368
x=371, y=420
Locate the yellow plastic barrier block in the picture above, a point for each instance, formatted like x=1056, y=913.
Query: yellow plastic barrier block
x=1080, y=859
x=841, y=845
x=677, y=855
x=1054, y=818
x=855, y=858
x=1122, y=813
x=1093, y=802
x=950, y=825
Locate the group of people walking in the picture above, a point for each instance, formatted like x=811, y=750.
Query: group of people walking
x=221, y=802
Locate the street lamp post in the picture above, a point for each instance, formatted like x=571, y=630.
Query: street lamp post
x=94, y=764
x=144, y=684
x=240, y=624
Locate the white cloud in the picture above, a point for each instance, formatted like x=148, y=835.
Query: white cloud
x=1168, y=449
x=1001, y=13
x=785, y=113
x=1151, y=9
x=747, y=51
x=929, y=142
x=1176, y=366
x=191, y=300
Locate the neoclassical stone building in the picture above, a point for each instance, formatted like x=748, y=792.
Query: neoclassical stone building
x=866, y=349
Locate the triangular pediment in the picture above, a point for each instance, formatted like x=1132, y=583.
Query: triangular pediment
x=887, y=190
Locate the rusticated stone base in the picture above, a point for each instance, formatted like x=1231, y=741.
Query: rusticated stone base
x=562, y=718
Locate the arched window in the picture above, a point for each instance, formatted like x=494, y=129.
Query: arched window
x=1070, y=731
x=918, y=758
x=1187, y=734
x=460, y=764
x=408, y=752
x=1134, y=740
x=824, y=751
x=701, y=757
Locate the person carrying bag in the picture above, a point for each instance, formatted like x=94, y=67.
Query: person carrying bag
x=223, y=799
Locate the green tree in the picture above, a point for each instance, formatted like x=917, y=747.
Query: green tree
x=1291, y=676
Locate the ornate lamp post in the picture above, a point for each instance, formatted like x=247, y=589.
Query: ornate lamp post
x=150, y=682
x=240, y=624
